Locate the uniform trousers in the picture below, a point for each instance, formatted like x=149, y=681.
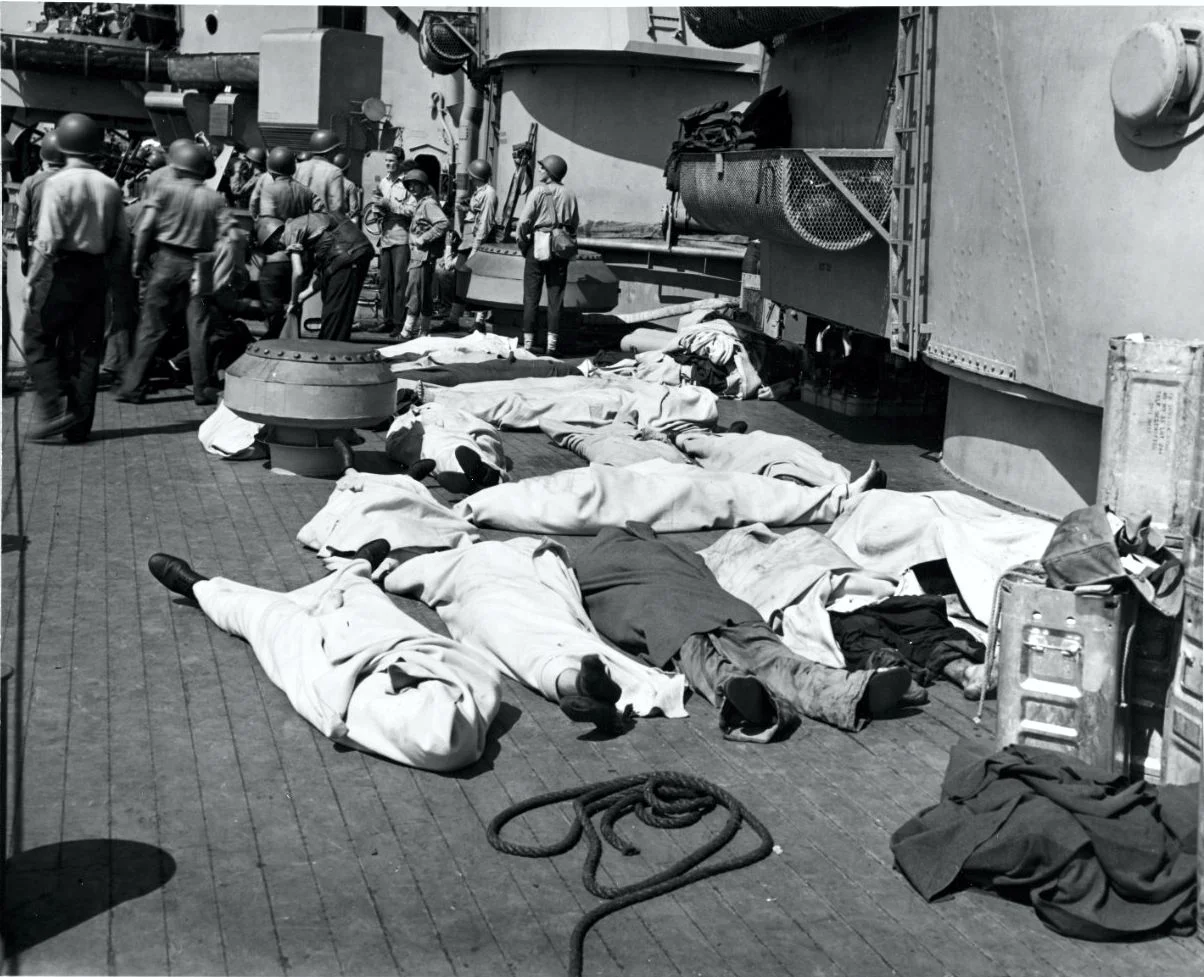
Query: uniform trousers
x=64, y=337
x=796, y=686
x=420, y=288
x=394, y=264
x=275, y=287
x=555, y=272
x=340, y=295
x=170, y=284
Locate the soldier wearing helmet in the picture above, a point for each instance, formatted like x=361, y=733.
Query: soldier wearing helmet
x=278, y=195
x=81, y=232
x=396, y=208
x=320, y=174
x=479, y=222
x=182, y=218
x=246, y=175
x=351, y=192
x=428, y=229
x=29, y=196
x=550, y=208
x=165, y=173
x=332, y=251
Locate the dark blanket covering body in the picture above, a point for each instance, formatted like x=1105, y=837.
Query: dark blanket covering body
x=648, y=596
x=910, y=631
x=1099, y=857
x=453, y=374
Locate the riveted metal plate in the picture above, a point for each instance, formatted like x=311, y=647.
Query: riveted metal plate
x=971, y=362
x=314, y=351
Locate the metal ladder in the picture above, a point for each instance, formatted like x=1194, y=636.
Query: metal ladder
x=666, y=23
x=912, y=185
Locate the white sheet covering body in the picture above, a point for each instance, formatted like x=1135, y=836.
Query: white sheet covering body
x=435, y=431
x=227, y=435
x=668, y=497
x=761, y=453
x=519, y=603
x=360, y=670
x=792, y=580
x=612, y=444
x=892, y=531
x=450, y=349
x=364, y=507
x=521, y=405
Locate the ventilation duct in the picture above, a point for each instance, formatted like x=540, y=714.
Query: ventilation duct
x=447, y=40
x=731, y=27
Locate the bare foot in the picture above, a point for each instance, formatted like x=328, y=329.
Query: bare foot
x=874, y=478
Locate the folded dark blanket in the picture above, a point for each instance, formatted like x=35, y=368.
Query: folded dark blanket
x=1098, y=856
x=912, y=631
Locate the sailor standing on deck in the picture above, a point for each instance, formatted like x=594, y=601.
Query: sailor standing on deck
x=321, y=175
x=246, y=175
x=478, y=227
x=81, y=238
x=331, y=249
x=549, y=207
x=182, y=218
x=278, y=195
x=396, y=208
x=29, y=196
x=428, y=228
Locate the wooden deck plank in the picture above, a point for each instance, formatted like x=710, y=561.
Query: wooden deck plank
x=146, y=724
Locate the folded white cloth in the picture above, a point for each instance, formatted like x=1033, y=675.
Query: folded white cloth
x=521, y=405
x=891, y=531
x=448, y=346
x=793, y=580
x=435, y=431
x=668, y=497
x=227, y=435
x=364, y=507
x=519, y=604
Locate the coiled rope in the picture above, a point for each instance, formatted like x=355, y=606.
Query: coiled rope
x=661, y=799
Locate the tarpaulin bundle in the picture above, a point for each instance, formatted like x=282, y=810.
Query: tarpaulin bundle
x=764, y=124
x=661, y=799
x=1098, y=856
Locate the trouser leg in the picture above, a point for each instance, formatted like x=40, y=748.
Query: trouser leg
x=420, y=289
x=556, y=271
x=708, y=669
x=169, y=280
x=84, y=347
x=200, y=324
x=120, y=324
x=275, y=282
x=340, y=295
x=532, y=288
x=44, y=321
x=394, y=264
x=830, y=695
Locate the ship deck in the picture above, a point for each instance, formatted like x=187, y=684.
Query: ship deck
x=175, y=816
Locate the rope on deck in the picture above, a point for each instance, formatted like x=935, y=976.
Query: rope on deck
x=661, y=799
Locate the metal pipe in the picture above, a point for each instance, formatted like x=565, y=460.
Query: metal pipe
x=470, y=127
x=658, y=247
x=215, y=71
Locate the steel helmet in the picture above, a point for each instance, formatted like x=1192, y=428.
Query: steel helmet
x=304, y=155
x=415, y=176
x=79, y=135
x=266, y=228
x=324, y=141
x=50, y=151
x=191, y=158
x=281, y=160
x=555, y=166
x=341, y=160
x=480, y=169
x=155, y=159
x=257, y=156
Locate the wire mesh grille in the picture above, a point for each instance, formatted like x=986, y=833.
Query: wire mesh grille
x=781, y=195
